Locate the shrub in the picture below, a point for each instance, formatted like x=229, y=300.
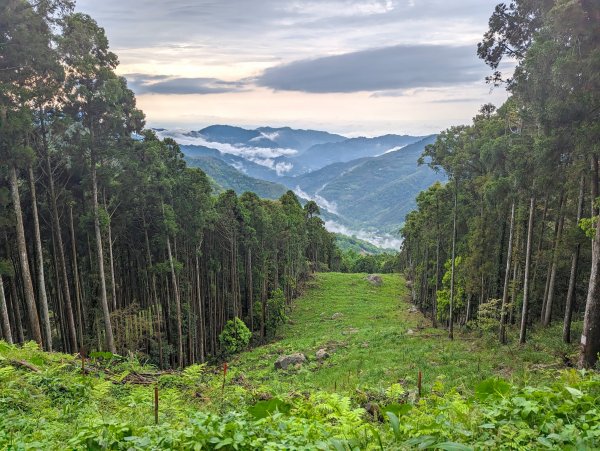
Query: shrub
x=235, y=336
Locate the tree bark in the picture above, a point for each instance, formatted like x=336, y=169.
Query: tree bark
x=570, y=302
x=43, y=297
x=58, y=242
x=451, y=319
x=552, y=283
x=200, y=300
x=78, y=297
x=507, y=276
x=177, y=305
x=523, y=334
x=4, y=315
x=34, y=321
x=111, y=259
x=590, y=337
x=110, y=342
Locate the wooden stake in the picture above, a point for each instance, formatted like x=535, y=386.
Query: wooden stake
x=419, y=382
x=156, y=404
x=224, y=377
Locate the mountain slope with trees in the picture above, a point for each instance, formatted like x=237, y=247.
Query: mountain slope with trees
x=109, y=241
x=514, y=236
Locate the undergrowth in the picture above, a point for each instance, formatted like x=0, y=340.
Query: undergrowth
x=476, y=395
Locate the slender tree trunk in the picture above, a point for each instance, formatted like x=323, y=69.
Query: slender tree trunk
x=110, y=342
x=6, y=332
x=75, y=264
x=437, y=280
x=250, y=289
x=590, y=337
x=34, y=321
x=451, y=324
x=43, y=297
x=177, y=305
x=523, y=334
x=550, y=299
x=570, y=302
x=58, y=243
x=202, y=324
x=503, y=312
x=111, y=259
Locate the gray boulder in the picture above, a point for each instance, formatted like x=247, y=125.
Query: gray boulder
x=322, y=354
x=375, y=279
x=284, y=361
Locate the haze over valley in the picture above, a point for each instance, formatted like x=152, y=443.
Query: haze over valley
x=363, y=186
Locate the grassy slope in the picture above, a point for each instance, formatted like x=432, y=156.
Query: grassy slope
x=57, y=407
x=371, y=344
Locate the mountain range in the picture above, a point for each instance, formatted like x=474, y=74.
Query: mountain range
x=364, y=186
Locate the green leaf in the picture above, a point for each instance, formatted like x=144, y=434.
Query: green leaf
x=492, y=387
x=544, y=441
x=398, y=409
x=395, y=423
x=263, y=409
x=574, y=392
x=452, y=446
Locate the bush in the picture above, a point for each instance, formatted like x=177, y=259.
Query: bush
x=235, y=336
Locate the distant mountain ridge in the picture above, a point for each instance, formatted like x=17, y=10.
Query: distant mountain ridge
x=361, y=184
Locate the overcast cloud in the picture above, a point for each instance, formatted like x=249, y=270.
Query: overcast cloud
x=196, y=62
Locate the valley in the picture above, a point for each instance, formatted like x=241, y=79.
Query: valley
x=364, y=186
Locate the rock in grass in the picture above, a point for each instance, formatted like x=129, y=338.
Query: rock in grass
x=284, y=361
x=322, y=354
x=337, y=315
x=374, y=279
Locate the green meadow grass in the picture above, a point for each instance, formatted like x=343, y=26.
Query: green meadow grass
x=379, y=340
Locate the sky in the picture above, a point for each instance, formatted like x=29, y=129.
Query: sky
x=359, y=68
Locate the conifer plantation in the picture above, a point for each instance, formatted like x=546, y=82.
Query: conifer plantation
x=514, y=235
x=109, y=242
x=152, y=299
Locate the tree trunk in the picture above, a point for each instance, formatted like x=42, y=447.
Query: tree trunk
x=58, y=243
x=250, y=289
x=4, y=315
x=43, y=298
x=110, y=342
x=590, y=337
x=550, y=299
x=523, y=334
x=177, y=305
x=78, y=297
x=111, y=259
x=34, y=321
x=200, y=300
x=507, y=276
x=570, y=302
x=451, y=315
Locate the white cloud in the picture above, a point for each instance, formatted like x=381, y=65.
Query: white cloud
x=265, y=156
x=383, y=240
x=319, y=200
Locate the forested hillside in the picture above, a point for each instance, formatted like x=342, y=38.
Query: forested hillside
x=228, y=177
x=109, y=242
x=514, y=236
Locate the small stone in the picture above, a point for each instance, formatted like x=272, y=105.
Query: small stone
x=284, y=361
x=350, y=331
x=337, y=315
x=374, y=279
x=410, y=332
x=365, y=345
x=322, y=354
